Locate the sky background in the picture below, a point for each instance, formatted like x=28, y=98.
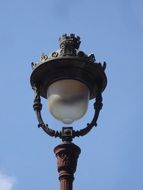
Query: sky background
x=112, y=154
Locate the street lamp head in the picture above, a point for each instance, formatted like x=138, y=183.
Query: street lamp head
x=68, y=78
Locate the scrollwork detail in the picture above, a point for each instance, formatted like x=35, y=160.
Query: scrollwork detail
x=38, y=107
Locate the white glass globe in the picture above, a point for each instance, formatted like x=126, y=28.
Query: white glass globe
x=68, y=100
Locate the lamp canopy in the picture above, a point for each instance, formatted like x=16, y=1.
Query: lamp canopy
x=69, y=63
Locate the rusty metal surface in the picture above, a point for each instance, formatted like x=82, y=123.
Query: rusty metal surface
x=67, y=156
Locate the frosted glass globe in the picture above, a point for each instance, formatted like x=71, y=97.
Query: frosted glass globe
x=68, y=100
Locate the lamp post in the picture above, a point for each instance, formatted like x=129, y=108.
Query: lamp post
x=68, y=79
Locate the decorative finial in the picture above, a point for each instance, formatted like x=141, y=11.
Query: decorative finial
x=69, y=44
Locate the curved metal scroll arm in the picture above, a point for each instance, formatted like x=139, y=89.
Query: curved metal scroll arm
x=67, y=133
x=37, y=106
x=97, y=106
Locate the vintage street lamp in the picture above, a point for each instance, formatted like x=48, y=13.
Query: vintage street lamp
x=68, y=79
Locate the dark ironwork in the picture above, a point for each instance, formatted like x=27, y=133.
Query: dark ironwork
x=68, y=63
x=69, y=45
x=67, y=134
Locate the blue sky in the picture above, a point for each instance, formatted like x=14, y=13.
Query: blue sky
x=112, y=154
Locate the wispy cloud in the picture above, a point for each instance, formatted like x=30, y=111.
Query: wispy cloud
x=6, y=182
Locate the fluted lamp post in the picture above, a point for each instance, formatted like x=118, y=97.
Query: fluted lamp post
x=68, y=79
